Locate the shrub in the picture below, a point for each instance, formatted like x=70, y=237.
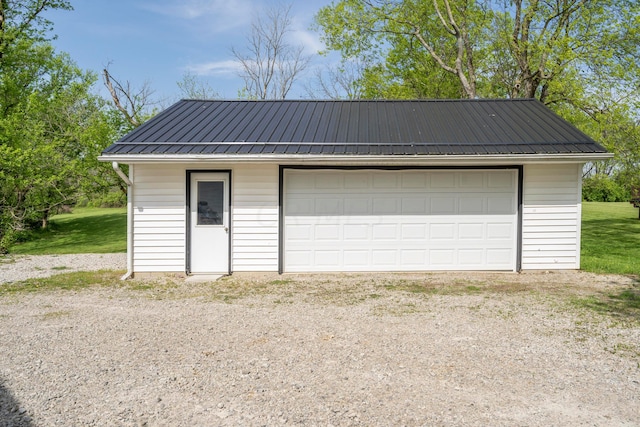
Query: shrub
x=602, y=188
x=113, y=199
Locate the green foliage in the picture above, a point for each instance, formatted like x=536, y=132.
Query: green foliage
x=52, y=127
x=582, y=59
x=112, y=199
x=396, y=67
x=602, y=188
x=510, y=49
x=86, y=230
x=610, y=238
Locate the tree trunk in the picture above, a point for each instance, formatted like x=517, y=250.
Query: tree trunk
x=45, y=219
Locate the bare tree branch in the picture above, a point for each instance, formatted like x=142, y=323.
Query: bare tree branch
x=338, y=82
x=129, y=101
x=270, y=65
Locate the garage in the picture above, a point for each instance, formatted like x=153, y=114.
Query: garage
x=399, y=220
x=354, y=185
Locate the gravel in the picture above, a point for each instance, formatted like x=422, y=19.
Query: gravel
x=17, y=268
x=464, y=349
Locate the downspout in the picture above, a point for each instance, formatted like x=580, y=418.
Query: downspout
x=127, y=181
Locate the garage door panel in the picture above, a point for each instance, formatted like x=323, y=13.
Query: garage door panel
x=385, y=180
x=413, y=180
x=369, y=220
x=471, y=231
x=327, y=232
x=472, y=206
x=356, y=258
x=329, y=181
x=501, y=205
x=328, y=206
x=357, y=181
x=413, y=257
x=299, y=260
x=472, y=180
x=300, y=206
x=299, y=232
x=500, y=231
x=501, y=179
x=327, y=258
x=498, y=257
x=443, y=205
x=357, y=206
x=385, y=257
x=471, y=257
x=445, y=231
x=384, y=232
x=414, y=206
x=409, y=231
x=356, y=232
x=442, y=180
x=385, y=205
x=442, y=257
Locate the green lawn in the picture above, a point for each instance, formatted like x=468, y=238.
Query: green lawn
x=610, y=238
x=86, y=230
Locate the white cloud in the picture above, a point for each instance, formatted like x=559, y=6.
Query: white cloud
x=217, y=15
x=214, y=68
x=309, y=40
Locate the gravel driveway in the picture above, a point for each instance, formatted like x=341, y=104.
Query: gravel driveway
x=408, y=349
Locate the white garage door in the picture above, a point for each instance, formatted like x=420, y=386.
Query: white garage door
x=409, y=220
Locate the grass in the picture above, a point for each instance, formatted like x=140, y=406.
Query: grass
x=67, y=281
x=624, y=304
x=610, y=238
x=394, y=296
x=86, y=230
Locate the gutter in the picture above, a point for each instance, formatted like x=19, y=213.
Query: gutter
x=444, y=159
x=125, y=178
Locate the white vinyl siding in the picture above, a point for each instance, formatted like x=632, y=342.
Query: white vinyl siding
x=159, y=206
x=412, y=220
x=551, y=216
x=254, y=225
x=159, y=218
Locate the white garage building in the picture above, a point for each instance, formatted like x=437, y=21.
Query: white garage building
x=305, y=186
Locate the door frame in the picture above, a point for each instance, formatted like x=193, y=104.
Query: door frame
x=519, y=169
x=189, y=172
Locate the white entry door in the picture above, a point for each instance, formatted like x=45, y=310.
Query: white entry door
x=209, y=251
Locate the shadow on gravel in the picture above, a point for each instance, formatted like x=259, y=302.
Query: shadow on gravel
x=12, y=414
x=624, y=304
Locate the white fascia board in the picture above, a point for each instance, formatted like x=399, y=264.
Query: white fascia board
x=399, y=160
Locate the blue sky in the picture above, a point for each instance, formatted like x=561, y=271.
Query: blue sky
x=158, y=41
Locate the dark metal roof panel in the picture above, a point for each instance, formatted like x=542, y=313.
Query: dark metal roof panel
x=422, y=127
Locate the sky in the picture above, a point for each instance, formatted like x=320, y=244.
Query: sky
x=158, y=41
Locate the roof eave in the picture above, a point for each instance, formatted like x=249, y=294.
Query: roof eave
x=497, y=159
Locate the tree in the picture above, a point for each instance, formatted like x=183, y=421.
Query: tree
x=269, y=64
x=450, y=36
x=515, y=48
x=338, y=82
x=191, y=87
x=133, y=103
x=579, y=57
x=51, y=126
x=47, y=143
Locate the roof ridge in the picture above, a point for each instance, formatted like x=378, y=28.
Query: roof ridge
x=434, y=100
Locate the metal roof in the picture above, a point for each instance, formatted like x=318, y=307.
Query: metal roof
x=363, y=127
